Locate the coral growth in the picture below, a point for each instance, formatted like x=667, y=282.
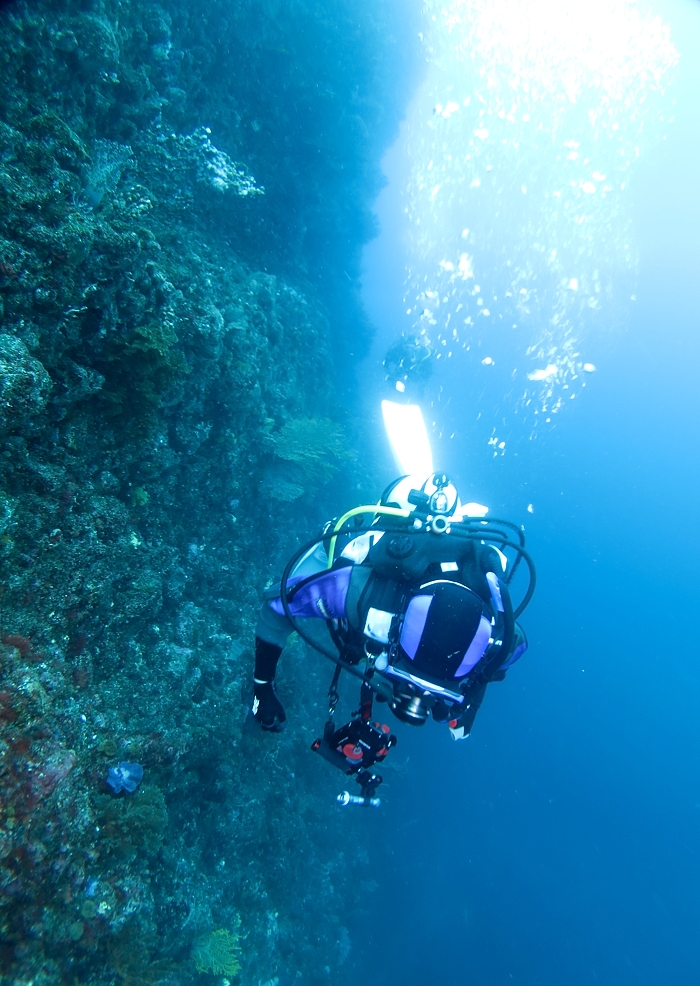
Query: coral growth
x=218, y=953
x=215, y=168
x=134, y=825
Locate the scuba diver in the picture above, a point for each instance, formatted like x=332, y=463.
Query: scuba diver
x=412, y=597
x=408, y=364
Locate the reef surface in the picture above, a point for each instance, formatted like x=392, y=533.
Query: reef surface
x=184, y=193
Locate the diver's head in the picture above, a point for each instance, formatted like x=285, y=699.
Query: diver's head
x=434, y=494
x=408, y=362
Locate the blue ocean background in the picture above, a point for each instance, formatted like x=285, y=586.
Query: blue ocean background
x=560, y=843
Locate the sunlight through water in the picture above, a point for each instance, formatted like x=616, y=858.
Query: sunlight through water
x=522, y=143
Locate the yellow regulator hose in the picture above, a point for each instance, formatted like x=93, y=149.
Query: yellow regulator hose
x=374, y=509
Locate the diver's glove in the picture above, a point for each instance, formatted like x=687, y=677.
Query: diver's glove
x=267, y=708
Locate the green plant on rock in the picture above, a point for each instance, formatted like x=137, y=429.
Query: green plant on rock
x=218, y=952
x=307, y=452
x=316, y=446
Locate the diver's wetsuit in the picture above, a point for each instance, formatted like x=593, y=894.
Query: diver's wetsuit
x=379, y=577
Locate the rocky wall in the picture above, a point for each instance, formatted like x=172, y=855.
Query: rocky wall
x=184, y=192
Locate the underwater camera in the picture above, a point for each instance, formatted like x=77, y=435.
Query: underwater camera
x=411, y=705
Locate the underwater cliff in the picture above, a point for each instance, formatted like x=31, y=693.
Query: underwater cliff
x=184, y=193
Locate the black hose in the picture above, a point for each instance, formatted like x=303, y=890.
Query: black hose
x=485, y=521
x=465, y=534
x=504, y=541
x=472, y=522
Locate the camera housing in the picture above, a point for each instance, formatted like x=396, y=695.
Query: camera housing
x=410, y=705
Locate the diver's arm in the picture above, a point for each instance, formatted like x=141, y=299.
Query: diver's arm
x=493, y=665
x=474, y=692
x=267, y=708
x=271, y=635
x=322, y=596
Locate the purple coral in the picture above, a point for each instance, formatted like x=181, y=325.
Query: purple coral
x=125, y=777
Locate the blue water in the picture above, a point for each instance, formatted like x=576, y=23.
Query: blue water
x=559, y=844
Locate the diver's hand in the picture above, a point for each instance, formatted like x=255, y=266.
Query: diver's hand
x=267, y=708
